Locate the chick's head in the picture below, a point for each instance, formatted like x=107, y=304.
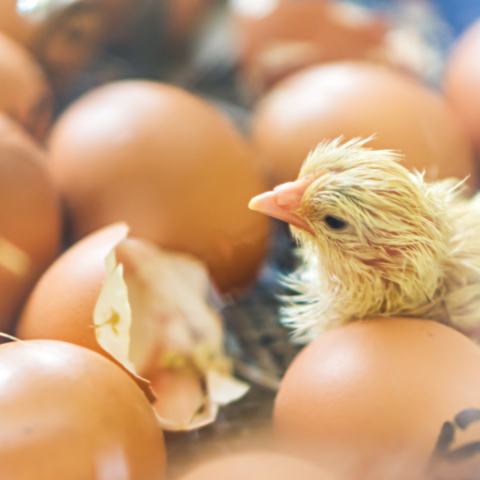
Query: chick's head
x=360, y=212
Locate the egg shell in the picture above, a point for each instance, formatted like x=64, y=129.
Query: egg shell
x=30, y=217
x=65, y=37
x=261, y=465
x=356, y=99
x=309, y=31
x=370, y=398
x=169, y=165
x=462, y=77
x=62, y=303
x=68, y=413
x=25, y=95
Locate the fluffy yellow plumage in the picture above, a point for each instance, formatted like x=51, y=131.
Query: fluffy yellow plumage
x=377, y=240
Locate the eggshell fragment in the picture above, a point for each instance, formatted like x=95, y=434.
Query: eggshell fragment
x=462, y=78
x=369, y=399
x=68, y=413
x=356, y=99
x=257, y=466
x=30, y=220
x=168, y=164
x=25, y=95
x=146, y=310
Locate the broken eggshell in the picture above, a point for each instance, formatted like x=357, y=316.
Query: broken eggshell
x=147, y=310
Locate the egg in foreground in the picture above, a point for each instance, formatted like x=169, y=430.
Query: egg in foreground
x=369, y=399
x=68, y=413
x=357, y=99
x=169, y=165
x=30, y=218
x=148, y=311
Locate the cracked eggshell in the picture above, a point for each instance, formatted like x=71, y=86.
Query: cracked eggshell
x=357, y=99
x=369, y=399
x=68, y=413
x=259, y=465
x=63, y=303
x=25, y=95
x=171, y=166
x=30, y=218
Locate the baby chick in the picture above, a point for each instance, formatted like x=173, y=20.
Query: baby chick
x=377, y=241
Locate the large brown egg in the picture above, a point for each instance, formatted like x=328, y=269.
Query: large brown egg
x=261, y=465
x=276, y=38
x=462, y=81
x=30, y=220
x=68, y=413
x=24, y=93
x=369, y=399
x=64, y=36
x=169, y=165
x=145, y=309
x=359, y=100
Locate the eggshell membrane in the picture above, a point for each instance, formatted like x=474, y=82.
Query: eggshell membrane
x=62, y=303
x=257, y=466
x=357, y=99
x=25, y=95
x=69, y=413
x=369, y=399
x=462, y=78
x=168, y=164
x=325, y=30
x=30, y=217
x=64, y=39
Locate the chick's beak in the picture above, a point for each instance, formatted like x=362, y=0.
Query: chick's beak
x=283, y=201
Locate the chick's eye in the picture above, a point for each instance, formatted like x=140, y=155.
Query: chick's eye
x=335, y=223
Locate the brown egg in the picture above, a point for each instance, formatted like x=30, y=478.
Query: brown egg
x=24, y=93
x=369, y=399
x=183, y=18
x=257, y=466
x=64, y=36
x=360, y=100
x=146, y=310
x=280, y=37
x=462, y=81
x=169, y=165
x=68, y=413
x=30, y=220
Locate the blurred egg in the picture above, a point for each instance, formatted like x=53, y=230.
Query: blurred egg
x=369, y=399
x=183, y=16
x=257, y=466
x=462, y=79
x=146, y=310
x=65, y=37
x=68, y=413
x=169, y=165
x=25, y=95
x=276, y=38
x=30, y=220
x=356, y=99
